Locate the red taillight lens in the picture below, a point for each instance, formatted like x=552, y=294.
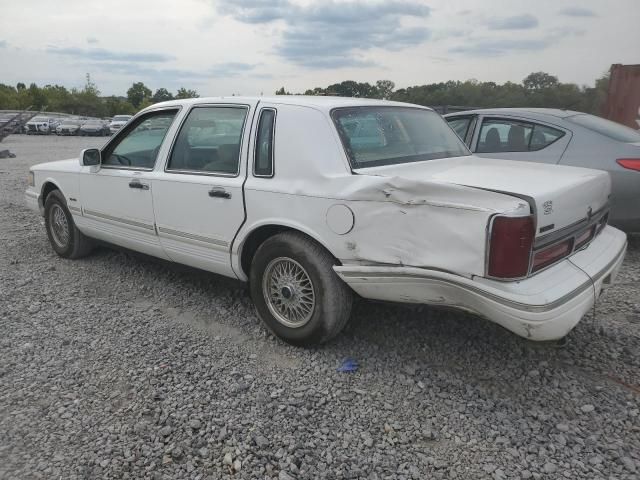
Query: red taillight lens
x=584, y=237
x=630, y=163
x=550, y=255
x=510, y=248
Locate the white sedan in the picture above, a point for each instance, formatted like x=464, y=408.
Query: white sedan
x=313, y=199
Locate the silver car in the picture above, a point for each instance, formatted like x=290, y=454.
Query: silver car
x=564, y=137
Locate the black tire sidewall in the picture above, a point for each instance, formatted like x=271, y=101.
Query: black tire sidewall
x=56, y=198
x=316, y=330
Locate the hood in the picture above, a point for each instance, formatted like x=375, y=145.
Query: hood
x=69, y=165
x=559, y=196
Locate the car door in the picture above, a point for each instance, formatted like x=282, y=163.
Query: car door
x=116, y=197
x=198, y=198
x=518, y=139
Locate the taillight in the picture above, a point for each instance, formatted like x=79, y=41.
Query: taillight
x=630, y=163
x=510, y=245
x=546, y=257
x=585, y=237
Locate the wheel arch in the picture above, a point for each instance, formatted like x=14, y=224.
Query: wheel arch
x=252, y=240
x=48, y=186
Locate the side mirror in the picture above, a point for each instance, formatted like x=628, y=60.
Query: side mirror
x=90, y=157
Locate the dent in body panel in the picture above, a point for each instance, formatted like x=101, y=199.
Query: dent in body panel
x=397, y=221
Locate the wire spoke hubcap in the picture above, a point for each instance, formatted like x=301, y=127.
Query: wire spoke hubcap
x=59, y=226
x=289, y=292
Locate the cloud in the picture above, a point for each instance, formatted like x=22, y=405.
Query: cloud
x=578, y=12
x=173, y=76
x=515, y=22
x=92, y=40
x=231, y=69
x=103, y=55
x=497, y=47
x=3, y=44
x=331, y=34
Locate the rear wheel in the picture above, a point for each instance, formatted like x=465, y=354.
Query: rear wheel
x=64, y=236
x=296, y=292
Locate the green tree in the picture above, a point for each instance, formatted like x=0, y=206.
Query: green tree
x=162, y=95
x=184, y=93
x=282, y=91
x=539, y=81
x=385, y=88
x=137, y=93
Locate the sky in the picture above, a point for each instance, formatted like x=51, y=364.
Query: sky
x=253, y=47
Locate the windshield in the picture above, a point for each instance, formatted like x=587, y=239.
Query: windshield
x=607, y=128
x=121, y=118
x=381, y=135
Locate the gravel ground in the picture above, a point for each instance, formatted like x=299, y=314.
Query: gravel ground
x=122, y=366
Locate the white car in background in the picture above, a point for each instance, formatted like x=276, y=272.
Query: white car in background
x=41, y=126
x=314, y=199
x=117, y=122
x=561, y=137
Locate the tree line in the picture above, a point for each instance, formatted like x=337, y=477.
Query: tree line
x=85, y=101
x=538, y=89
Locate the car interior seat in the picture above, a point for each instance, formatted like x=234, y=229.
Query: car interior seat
x=516, y=141
x=492, y=142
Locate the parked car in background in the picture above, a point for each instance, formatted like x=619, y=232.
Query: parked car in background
x=40, y=125
x=117, y=122
x=94, y=128
x=68, y=127
x=311, y=199
x=561, y=137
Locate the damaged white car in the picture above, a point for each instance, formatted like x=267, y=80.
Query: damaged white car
x=313, y=199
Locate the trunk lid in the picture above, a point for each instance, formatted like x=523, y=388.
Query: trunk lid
x=560, y=196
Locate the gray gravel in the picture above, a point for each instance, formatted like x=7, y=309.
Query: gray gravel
x=122, y=366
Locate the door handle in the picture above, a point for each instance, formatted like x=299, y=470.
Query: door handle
x=219, y=193
x=137, y=184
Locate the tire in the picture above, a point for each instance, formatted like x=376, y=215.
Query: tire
x=326, y=304
x=72, y=245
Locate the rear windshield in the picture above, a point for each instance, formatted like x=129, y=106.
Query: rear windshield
x=380, y=135
x=607, y=128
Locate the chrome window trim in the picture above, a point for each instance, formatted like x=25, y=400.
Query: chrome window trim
x=273, y=143
x=166, y=169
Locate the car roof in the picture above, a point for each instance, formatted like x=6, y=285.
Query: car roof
x=313, y=101
x=534, y=113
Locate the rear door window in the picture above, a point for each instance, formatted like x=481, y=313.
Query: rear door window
x=209, y=141
x=510, y=135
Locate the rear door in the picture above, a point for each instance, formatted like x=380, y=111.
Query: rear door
x=198, y=199
x=519, y=139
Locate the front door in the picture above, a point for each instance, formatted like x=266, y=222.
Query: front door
x=117, y=204
x=198, y=198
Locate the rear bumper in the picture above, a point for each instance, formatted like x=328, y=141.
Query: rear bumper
x=545, y=306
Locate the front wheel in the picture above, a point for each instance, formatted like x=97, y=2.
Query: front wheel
x=65, y=238
x=296, y=292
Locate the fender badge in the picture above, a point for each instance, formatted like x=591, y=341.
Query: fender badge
x=547, y=207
